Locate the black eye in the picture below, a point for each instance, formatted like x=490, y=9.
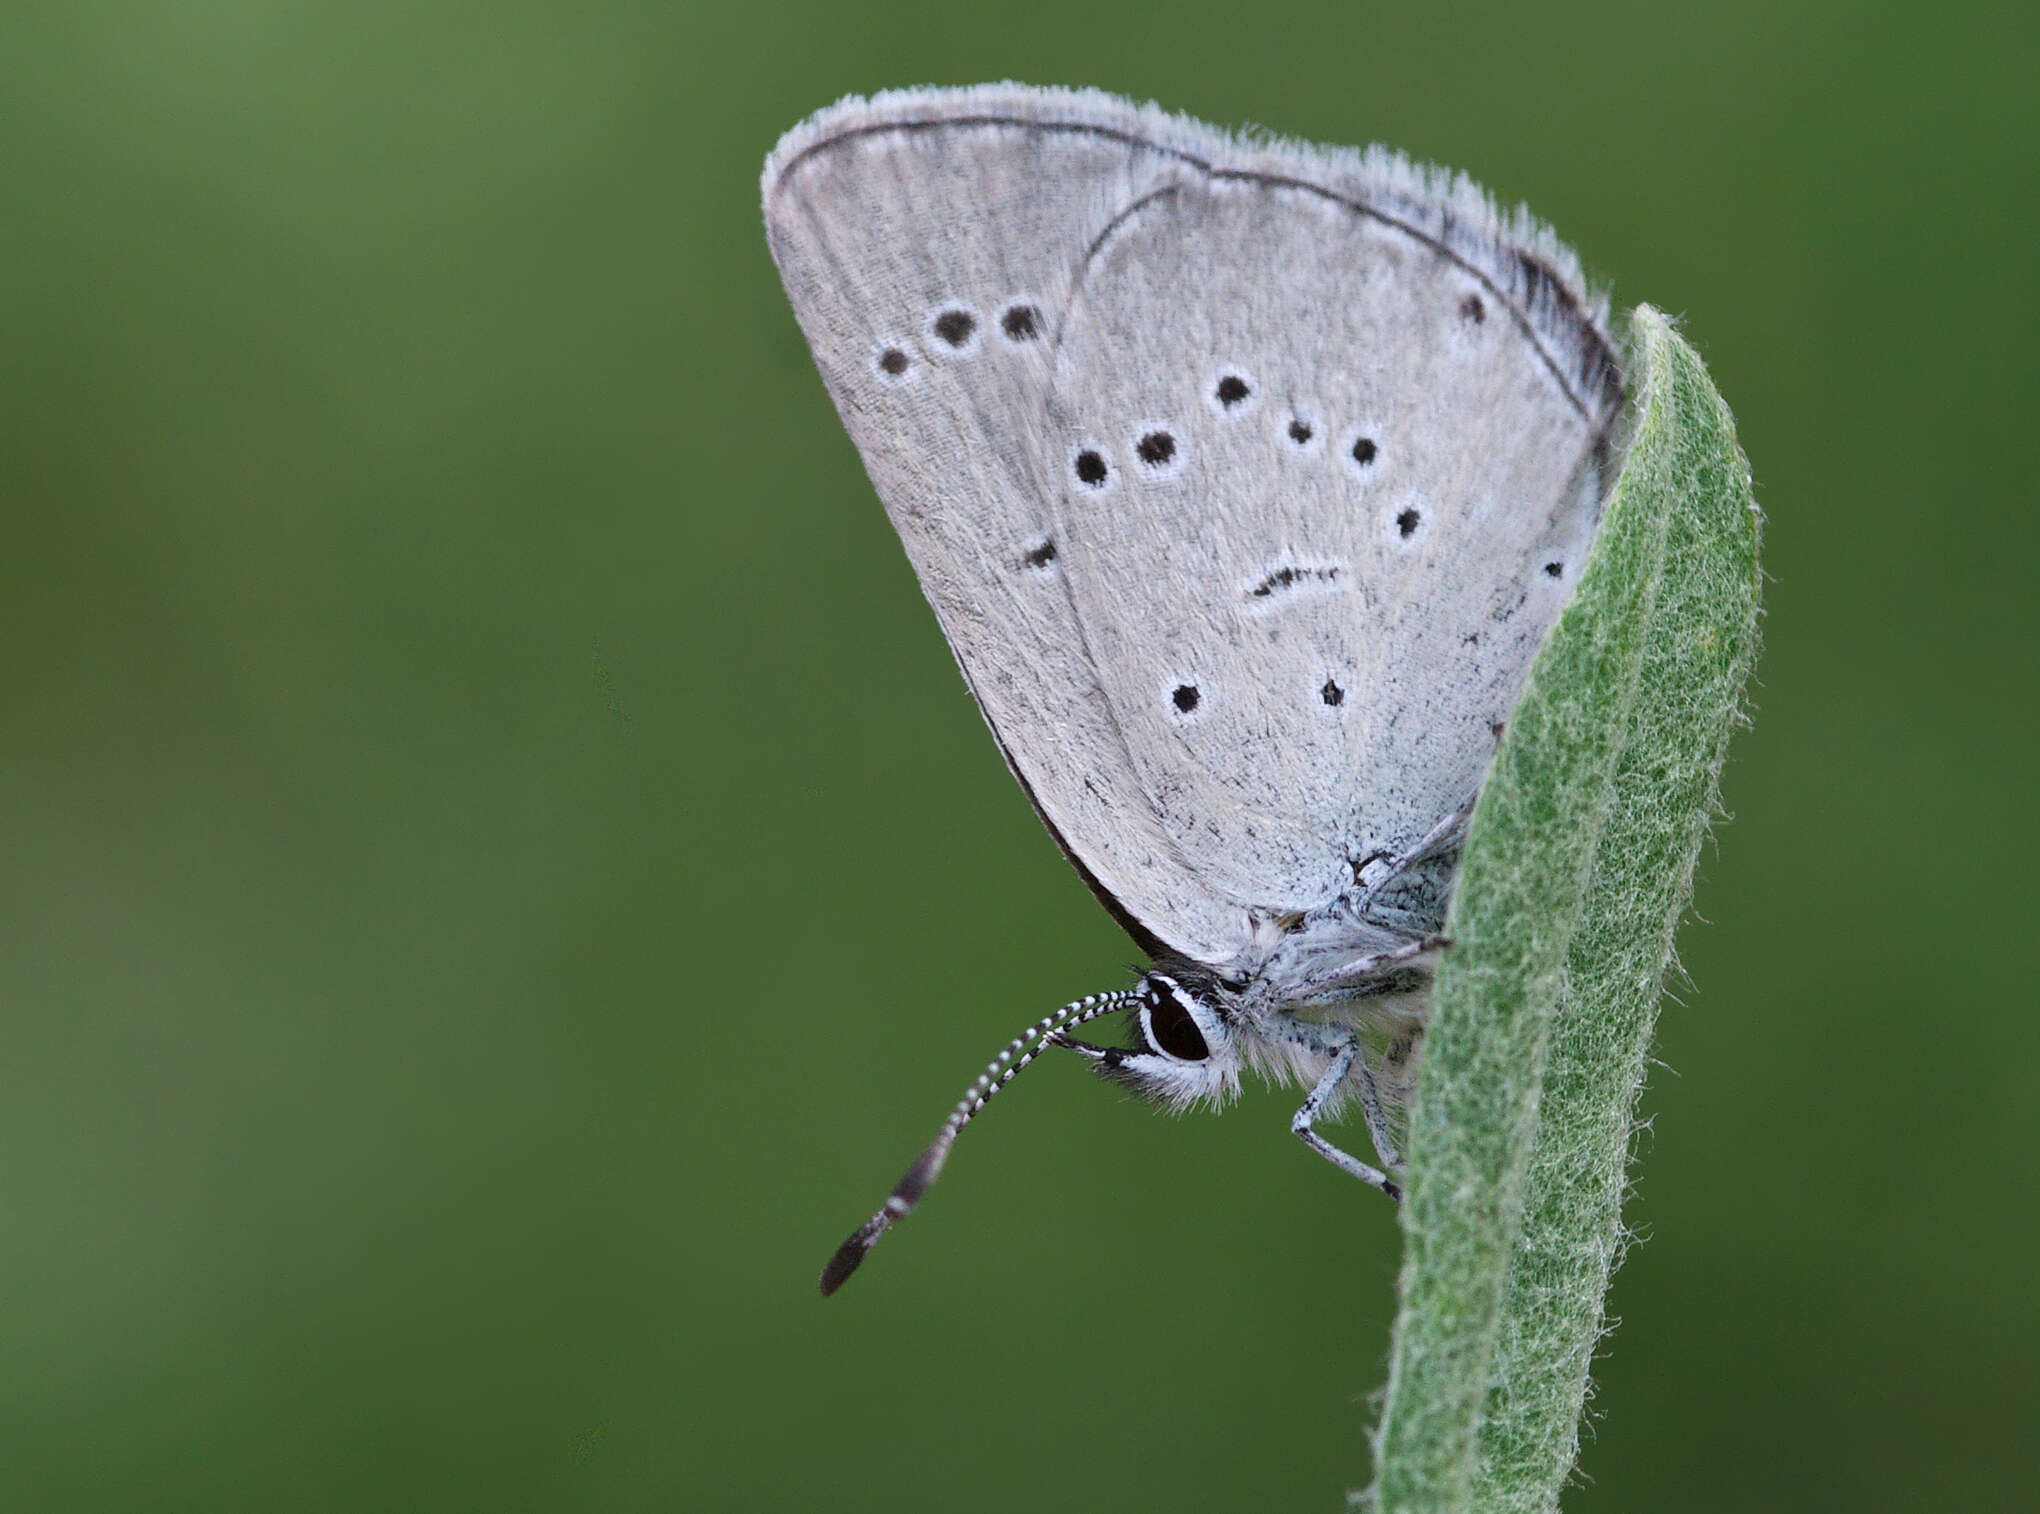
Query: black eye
x=1172, y=1032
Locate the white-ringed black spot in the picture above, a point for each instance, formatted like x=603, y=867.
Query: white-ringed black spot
x=1041, y=556
x=1554, y=569
x=1158, y=450
x=1362, y=451
x=893, y=363
x=1303, y=433
x=1185, y=697
x=953, y=330
x=1021, y=322
x=1091, y=469
x=1332, y=694
x=1406, y=523
x=955, y=326
x=1231, y=392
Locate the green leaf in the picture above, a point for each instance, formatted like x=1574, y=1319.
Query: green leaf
x=1578, y=862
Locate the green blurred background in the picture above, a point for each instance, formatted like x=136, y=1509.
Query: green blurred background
x=501, y=870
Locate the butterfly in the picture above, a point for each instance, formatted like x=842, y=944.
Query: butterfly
x=1245, y=478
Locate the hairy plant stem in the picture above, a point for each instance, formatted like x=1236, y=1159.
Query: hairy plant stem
x=1578, y=862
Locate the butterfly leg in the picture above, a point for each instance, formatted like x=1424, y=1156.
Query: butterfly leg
x=1342, y=1064
x=1377, y=1119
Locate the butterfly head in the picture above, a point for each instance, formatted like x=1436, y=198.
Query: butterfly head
x=1183, y=1048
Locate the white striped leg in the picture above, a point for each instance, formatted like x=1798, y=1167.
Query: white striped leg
x=1371, y=1110
x=1328, y=1085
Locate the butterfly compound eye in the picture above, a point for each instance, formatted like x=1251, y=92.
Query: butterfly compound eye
x=1171, y=1031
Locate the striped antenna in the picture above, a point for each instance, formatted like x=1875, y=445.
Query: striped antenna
x=1021, y=1050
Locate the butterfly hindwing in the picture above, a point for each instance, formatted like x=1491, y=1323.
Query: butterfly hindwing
x=1340, y=495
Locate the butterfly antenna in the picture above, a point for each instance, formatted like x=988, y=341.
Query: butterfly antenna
x=1021, y=1050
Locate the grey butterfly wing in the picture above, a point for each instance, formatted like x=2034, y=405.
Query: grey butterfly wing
x=1230, y=683
x=928, y=241
x=1331, y=449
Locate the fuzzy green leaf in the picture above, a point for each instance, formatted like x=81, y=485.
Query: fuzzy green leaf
x=1578, y=861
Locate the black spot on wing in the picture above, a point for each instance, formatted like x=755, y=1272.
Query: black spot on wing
x=1155, y=448
x=955, y=326
x=1290, y=577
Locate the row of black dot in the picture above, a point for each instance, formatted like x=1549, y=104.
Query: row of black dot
x=1186, y=697
x=1233, y=390
x=957, y=328
x=1021, y=322
x=1156, y=449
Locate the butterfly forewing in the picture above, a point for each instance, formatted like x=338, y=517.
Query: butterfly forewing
x=893, y=223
